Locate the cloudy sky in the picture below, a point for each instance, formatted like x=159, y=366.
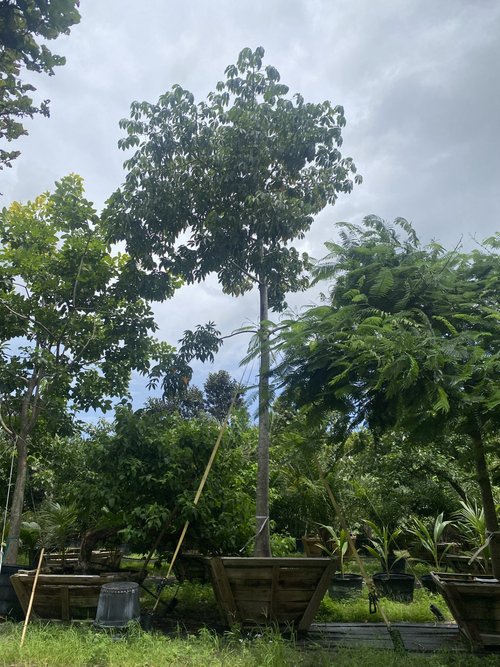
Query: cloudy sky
x=419, y=80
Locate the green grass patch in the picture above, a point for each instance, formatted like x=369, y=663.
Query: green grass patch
x=59, y=646
x=197, y=602
x=356, y=610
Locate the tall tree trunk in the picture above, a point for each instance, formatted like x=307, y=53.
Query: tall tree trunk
x=16, y=508
x=262, y=540
x=490, y=514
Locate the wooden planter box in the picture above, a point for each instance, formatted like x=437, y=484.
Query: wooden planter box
x=102, y=559
x=192, y=567
x=459, y=563
x=475, y=605
x=263, y=591
x=65, y=596
x=312, y=548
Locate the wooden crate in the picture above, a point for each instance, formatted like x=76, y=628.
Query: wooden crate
x=65, y=596
x=312, y=547
x=459, y=563
x=474, y=602
x=192, y=567
x=101, y=559
x=263, y=591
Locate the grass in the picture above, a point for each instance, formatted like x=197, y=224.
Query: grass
x=58, y=646
x=52, y=645
x=197, y=602
x=356, y=610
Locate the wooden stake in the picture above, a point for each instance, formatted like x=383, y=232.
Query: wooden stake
x=200, y=487
x=28, y=613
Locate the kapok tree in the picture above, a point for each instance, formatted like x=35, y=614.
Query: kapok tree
x=224, y=186
x=72, y=326
x=409, y=337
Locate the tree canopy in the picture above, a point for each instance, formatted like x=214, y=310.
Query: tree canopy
x=224, y=185
x=23, y=23
x=141, y=473
x=220, y=392
x=417, y=325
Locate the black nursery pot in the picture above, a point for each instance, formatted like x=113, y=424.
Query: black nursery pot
x=345, y=586
x=398, y=587
x=429, y=583
x=9, y=604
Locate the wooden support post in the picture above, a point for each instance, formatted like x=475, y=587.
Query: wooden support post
x=30, y=605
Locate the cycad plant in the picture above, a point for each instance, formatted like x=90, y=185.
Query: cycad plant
x=430, y=538
x=30, y=538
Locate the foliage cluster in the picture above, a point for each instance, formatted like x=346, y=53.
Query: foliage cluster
x=409, y=339
x=24, y=28
x=144, y=471
x=220, y=393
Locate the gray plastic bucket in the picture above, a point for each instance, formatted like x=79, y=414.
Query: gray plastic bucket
x=118, y=604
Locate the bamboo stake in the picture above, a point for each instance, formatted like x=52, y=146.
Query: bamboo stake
x=198, y=494
x=28, y=613
x=201, y=486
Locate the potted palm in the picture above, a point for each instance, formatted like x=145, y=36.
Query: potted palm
x=394, y=585
x=430, y=541
x=344, y=584
x=472, y=525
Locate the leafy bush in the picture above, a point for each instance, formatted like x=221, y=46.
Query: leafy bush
x=146, y=470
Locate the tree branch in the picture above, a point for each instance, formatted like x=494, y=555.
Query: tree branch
x=33, y=320
x=240, y=268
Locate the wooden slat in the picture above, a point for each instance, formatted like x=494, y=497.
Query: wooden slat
x=263, y=576
x=318, y=595
x=65, y=604
x=490, y=639
x=223, y=592
x=416, y=637
x=265, y=594
x=274, y=607
x=293, y=563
